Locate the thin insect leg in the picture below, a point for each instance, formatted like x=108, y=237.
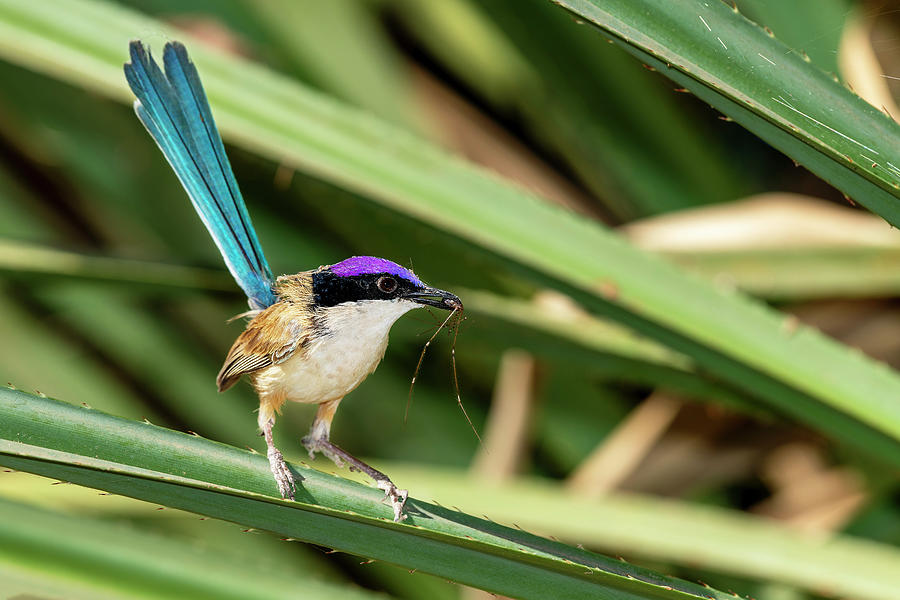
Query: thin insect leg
x=419, y=318
x=419, y=364
x=427, y=331
x=456, y=380
x=436, y=324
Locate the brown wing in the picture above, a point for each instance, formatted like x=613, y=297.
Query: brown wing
x=270, y=338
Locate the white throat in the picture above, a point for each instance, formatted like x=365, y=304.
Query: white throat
x=365, y=320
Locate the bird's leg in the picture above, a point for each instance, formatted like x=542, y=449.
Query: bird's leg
x=280, y=470
x=396, y=496
x=317, y=441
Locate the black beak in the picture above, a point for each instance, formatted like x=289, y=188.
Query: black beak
x=435, y=297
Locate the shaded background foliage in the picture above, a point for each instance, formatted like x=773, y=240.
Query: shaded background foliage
x=537, y=97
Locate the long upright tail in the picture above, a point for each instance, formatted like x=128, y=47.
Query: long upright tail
x=174, y=109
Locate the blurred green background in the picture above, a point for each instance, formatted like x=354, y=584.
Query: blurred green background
x=524, y=90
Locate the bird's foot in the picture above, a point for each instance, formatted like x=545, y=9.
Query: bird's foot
x=396, y=496
x=311, y=444
x=340, y=457
x=282, y=473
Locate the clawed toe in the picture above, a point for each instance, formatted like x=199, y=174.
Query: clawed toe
x=283, y=476
x=396, y=496
x=310, y=446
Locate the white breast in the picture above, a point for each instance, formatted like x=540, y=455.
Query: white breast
x=335, y=363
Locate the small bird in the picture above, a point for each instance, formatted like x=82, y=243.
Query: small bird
x=312, y=337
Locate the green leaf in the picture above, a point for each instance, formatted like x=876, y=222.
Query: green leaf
x=46, y=553
x=24, y=260
x=342, y=48
x=810, y=26
x=801, y=273
x=734, y=65
x=140, y=460
x=673, y=531
x=499, y=48
x=62, y=366
x=173, y=372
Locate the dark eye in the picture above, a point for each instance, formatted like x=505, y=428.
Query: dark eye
x=387, y=284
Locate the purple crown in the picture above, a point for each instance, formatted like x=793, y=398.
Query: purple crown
x=367, y=265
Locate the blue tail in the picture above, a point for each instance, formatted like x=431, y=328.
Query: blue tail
x=174, y=109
